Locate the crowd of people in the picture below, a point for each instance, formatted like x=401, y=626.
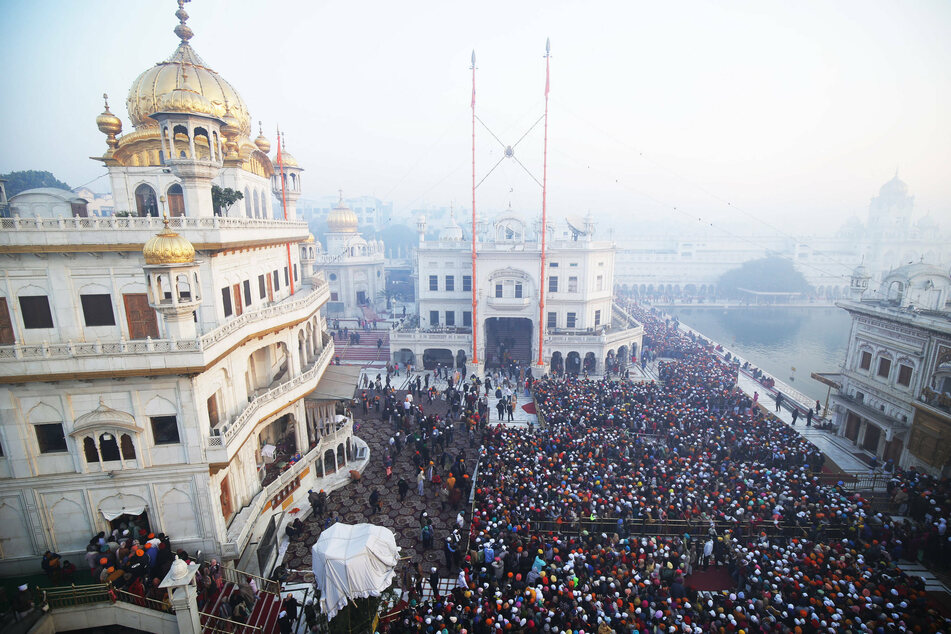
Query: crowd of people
x=690, y=450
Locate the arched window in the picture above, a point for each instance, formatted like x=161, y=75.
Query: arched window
x=176, y=201
x=128, y=449
x=257, y=205
x=146, y=203
x=89, y=449
x=108, y=447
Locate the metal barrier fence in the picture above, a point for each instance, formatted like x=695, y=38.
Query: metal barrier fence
x=73, y=595
x=677, y=528
x=240, y=577
x=145, y=602
x=213, y=623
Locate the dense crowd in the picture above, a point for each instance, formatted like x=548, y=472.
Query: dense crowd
x=693, y=451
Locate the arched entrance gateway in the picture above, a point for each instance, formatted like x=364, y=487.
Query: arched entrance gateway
x=508, y=340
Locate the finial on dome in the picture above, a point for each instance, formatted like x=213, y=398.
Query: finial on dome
x=109, y=124
x=340, y=200
x=182, y=30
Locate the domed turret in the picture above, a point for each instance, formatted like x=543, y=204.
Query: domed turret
x=451, y=232
x=168, y=247
x=109, y=124
x=342, y=219
x=263, y=144
x=185, y=101
x=163, y=78
x=859, y=282
x=894, y=187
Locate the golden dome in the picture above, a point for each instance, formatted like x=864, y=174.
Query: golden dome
x=184, y=100
x=287, y=160
x=341, y=218
x=107, y=122
x=167, y=76
x=263, y=144
x=168, y=248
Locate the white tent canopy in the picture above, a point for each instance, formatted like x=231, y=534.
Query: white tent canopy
x=351, y=562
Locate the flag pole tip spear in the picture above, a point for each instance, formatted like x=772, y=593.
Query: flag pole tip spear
x=547, y=47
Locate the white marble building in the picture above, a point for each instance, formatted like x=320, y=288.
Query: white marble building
x=894, y=399
x=582, y=327
x=353, y=267
x=178, y=369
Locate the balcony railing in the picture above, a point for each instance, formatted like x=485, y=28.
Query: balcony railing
x=204, y=343
x=228, y=432
x=936, y=399
x=148, y=223
x=239, y=531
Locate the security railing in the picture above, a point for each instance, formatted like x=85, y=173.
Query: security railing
x=678, y=528
x=73, y=595
x=144, y=602
x=216, y=624
x=136, y=223
x=239, y=577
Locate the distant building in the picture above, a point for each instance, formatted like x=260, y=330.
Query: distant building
x=371, y=213
x=894, y=396
x=678, y=264
x=353, y=267
x=582, y=328
x=99, y=205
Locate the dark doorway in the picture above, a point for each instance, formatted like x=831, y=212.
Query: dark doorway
x=126, y=521
x=872, y=434
x=434, y=356
x=508, y=340
x=361, y=298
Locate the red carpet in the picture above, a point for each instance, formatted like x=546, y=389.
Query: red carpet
x=529, y=407
x=712, y=580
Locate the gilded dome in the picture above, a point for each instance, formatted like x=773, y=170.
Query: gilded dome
x=184, y=100
x=168, y=248
x=107, y=122
x=341, y=218
x=309, y=239
x=263, y=144
x=184, y=69
x=287, y=159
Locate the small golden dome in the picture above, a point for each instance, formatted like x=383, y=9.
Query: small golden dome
x=168, y=248
x=107, y=122
x=287, y=160
x=184, y=100
x=263, y=144
x=309, y=239
x=341, y=218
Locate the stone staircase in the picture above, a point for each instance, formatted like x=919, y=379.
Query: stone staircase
x=366, y=352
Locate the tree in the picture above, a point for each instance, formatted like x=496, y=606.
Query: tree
x=30, y=179
x=771, y=274
x=224, y=198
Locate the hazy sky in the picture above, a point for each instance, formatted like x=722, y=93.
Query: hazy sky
x=794, y=112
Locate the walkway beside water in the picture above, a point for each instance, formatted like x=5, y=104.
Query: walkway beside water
x=835, y=448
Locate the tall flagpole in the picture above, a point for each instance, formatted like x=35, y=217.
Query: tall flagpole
x=541, y=277
x=475, y=321
x=280, y=165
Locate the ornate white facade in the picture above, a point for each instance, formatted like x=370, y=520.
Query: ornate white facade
x=582, y=326
x=171, y=374
x=894, y=399
x=353, y=267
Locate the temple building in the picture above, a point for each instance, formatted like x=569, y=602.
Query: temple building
x=353, y=267
x=168, y=365
x=893, y=398
x=583, y=330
